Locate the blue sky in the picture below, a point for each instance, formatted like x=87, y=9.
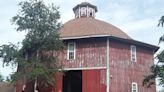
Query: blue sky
x=138, y=18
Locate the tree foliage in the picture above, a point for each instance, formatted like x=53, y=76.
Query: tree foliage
x=1, y=78
x=38, y=54
x=161, y=23
x=8, y=79
x=157, y=69
x=161, y=90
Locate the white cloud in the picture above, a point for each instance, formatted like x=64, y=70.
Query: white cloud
x=138, y=25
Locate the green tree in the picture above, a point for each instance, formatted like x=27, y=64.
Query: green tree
x=1, y=78
x=161, y=90
x=37, y=56
x=8, y=79
x=161, y=23
x=157, y=69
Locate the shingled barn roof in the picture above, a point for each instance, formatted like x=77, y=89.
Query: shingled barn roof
x=85, y=27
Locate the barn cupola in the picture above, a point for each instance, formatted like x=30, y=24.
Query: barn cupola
x=85, y=9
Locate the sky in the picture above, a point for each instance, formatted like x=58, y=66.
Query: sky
x=137, y=18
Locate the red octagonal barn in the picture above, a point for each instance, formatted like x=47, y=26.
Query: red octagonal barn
x=99, y=57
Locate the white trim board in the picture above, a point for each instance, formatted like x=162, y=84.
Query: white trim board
x=107, y=65
x=66, y=38
x=85, y=68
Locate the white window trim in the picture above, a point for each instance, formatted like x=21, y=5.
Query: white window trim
x=74, y=50
x=134, y=83
x=133, y=46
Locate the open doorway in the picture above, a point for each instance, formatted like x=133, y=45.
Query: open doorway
x=72, y=81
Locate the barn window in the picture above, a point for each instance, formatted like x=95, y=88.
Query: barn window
x=134, y=87
x=71, y=51
x=133, y=53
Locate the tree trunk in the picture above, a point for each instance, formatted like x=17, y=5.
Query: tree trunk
x=35, y=86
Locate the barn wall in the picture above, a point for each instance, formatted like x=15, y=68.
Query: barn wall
x=92, y=53
x=89, y=53
x=28, y=86
x=19, y=86
x=58, y=82
x=123, y=72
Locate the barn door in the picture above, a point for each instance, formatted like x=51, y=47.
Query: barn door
x=91, y=81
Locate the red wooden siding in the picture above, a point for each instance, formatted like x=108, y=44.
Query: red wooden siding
x=123, y=72
x=19, y=86
x=29, y=87
x=58, y=82
x=89, y=53
x=103, y=84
